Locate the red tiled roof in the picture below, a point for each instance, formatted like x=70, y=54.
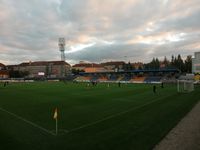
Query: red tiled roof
x=116, y=63
x=2, y=65
x=43, y=63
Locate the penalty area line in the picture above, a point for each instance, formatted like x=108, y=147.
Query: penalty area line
x=27, y=121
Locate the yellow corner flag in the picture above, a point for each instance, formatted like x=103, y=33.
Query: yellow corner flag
x=55, y=116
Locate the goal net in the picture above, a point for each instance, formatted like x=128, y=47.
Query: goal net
x=185, y=86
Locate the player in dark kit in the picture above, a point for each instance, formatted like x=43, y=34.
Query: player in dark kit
x=154, y=89
x=162, y=86
x=119, y=84
x=5, y=83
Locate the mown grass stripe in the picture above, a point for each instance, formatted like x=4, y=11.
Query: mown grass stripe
x=115, y=115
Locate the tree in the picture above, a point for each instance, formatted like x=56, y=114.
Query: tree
x=140, y=68
x=166, y=62
x=146, y=66
x=188, y=64
x=154, y=64
x=177, y=63
x=130, y=67
x=157, y=64
x=172, y=65
x=180, y=64
x=127, y=67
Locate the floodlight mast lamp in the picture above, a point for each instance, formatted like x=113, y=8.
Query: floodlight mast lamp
x=61, y=44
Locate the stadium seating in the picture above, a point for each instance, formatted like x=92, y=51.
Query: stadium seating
x=120, y=78
x=126, y=78
x=138, y=79
x=94, y=78
x=103, y=79
x=83, y=78
x=113, y=78
x=153, y=79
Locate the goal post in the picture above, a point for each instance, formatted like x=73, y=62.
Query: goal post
x=185, y=86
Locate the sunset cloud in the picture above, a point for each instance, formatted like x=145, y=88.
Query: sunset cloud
x=98, y=30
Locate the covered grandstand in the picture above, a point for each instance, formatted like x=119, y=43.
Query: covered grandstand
x=133, y=76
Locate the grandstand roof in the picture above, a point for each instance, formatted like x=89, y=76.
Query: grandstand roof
x=156, y=70
x=87, y=65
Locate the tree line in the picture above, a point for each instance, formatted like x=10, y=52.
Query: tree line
x=176, y=62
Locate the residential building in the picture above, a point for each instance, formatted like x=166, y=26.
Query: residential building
x=52, y=69
x=137, y=65
x=196, y=63
x=113, y=65
x=4, y=73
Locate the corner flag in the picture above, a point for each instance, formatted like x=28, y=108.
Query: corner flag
x=55, y=116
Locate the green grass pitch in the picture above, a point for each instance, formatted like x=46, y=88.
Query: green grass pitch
x=89, y=118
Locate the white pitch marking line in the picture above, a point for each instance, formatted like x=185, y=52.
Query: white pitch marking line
x=27, y=121
x=112, y=116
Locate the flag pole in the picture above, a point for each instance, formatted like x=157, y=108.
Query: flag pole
x=56, y=126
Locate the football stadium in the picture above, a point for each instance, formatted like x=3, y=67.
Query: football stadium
x=99, y=75
x=128, y=117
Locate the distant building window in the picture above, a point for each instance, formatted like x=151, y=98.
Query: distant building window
x=197, y=68
x=196, y=64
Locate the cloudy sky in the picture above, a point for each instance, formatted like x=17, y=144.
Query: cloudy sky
x=98, y=30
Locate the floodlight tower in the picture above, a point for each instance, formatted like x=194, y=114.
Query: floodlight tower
x=61, y=44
